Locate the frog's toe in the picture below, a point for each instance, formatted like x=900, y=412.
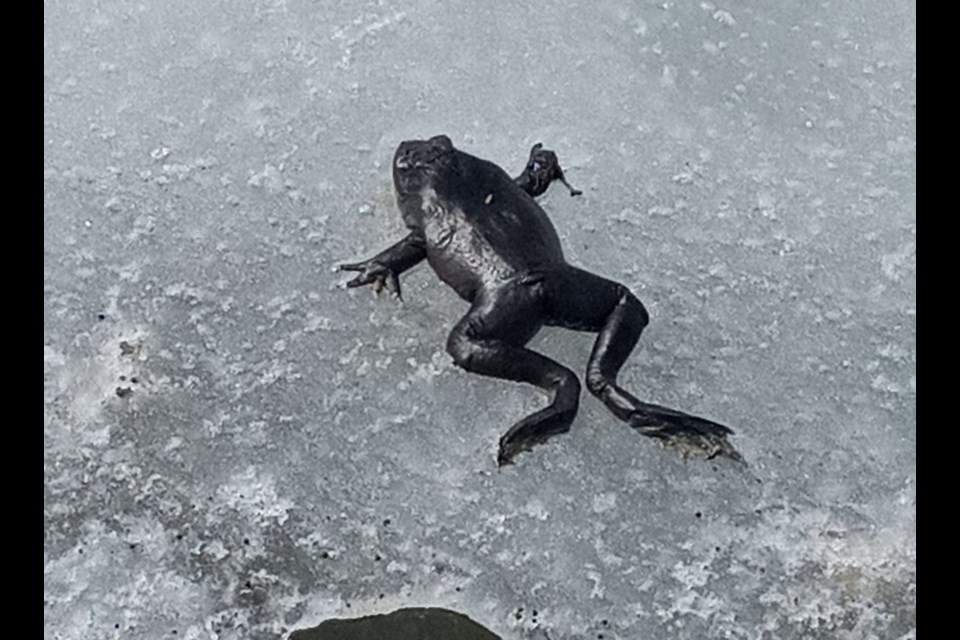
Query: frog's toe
x=680, y=424
x=391, y=283
x=353, y=266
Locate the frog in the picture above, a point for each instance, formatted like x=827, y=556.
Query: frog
x=484, y=234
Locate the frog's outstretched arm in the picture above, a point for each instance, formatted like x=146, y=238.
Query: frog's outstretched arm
x=542, y=169
x=383, y=270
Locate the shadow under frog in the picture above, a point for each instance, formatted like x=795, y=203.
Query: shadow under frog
x=483, y=234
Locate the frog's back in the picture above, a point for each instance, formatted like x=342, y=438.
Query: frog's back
x=511, y=223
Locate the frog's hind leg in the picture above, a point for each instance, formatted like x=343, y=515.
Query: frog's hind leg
x=490, y=340
x=582, y=301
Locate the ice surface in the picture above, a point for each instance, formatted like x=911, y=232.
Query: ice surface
x=268, y=450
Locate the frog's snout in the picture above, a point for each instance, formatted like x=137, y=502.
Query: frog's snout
x=417, y=153
x=406, y=154
x=410, y=154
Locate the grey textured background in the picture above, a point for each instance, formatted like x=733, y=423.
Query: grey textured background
x=290, y=451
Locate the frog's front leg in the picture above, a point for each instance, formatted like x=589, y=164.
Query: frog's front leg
x=542, y=169
x=383, y=270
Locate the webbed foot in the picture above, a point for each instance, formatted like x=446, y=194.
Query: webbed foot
x=533, y=430
x=506, y=453
x=691, y=436
x=702, y=446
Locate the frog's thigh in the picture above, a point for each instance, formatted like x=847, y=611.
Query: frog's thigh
x=490, y=340
x=580, y=300
x=509, y=313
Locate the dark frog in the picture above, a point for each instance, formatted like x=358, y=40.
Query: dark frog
x=484, y=234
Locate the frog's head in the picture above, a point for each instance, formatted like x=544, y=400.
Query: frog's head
x=417, y=162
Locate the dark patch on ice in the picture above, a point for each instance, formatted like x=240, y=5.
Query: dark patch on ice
x=403, y=624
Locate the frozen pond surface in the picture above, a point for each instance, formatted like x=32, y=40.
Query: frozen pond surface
x=234, y=447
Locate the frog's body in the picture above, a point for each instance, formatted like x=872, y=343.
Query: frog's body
x=485, y=236
x=481, y=229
